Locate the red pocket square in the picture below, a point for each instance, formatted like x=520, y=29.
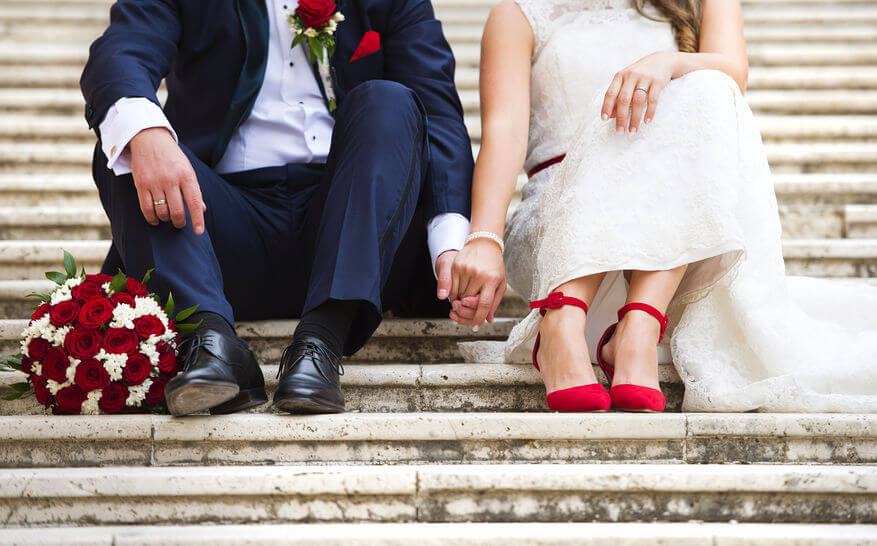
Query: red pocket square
x=371, y=42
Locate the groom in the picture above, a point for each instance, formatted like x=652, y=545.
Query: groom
x=269, y=188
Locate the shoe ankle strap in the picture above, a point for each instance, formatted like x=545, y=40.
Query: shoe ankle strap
x=556, y=300
x=636, y=306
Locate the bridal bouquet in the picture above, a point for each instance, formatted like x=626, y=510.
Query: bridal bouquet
x=98, y=343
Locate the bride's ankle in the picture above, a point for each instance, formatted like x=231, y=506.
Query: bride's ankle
x=563, y=352
x=635, y=351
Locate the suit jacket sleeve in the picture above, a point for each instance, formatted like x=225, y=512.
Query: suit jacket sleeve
x=418, y=56
x=132, y=56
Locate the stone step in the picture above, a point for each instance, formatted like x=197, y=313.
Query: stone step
x=31, y=190
x=461, y=534
x=14, y=53
x=861, y=221
x=784, y=157
x=22, y=260
x=380, y=387
x=438, y=493
x=790, y=102
x=59, y=222
x=774, y=128
x=454, y=14
x=785, y=33
x=446, y=438
x=72, y=127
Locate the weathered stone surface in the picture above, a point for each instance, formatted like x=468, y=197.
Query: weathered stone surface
x=465, y=534
x=438, y=493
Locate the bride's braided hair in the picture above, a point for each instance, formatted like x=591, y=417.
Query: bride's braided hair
x=683, y=16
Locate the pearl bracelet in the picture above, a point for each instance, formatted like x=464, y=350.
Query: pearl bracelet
x=486, y=235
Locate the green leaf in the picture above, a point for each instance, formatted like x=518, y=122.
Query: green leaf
x=44, y=297
x=332, y=105
x=56, y=277
x=12, y=397
x=170, y=305
x=10, y=363
x=69, y=265
x=331, y=48
x=147, y=275
x=299, y=38
x=22, y=387
x=188, y=327
x=316, y=48
x=119, y=282
x=185, y=313
x=83, y=274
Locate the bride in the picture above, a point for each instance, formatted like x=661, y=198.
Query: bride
x=649, y=196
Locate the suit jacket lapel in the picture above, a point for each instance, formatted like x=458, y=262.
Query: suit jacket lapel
x=254, y=26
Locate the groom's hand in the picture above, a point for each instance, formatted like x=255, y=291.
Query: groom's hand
x=165, y=180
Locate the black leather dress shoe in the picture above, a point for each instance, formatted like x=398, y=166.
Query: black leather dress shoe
x=309, y=379
x=218, y=372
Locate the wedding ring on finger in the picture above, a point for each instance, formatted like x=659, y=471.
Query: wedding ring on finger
x=159, y=202
x=643, y=89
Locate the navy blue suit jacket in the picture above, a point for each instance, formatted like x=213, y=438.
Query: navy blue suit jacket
x=213, y=53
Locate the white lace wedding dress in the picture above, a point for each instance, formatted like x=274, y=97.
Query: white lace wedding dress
x=692, y=187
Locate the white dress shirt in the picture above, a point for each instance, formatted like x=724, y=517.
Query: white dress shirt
x=289, y=123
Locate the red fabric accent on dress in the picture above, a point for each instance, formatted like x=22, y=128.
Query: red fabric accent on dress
x=370, y=43
x=544, y=165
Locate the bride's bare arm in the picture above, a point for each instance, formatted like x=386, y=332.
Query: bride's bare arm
x=506, y=49
x=721, y=47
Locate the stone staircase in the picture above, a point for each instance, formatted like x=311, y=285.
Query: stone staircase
x=435, y=451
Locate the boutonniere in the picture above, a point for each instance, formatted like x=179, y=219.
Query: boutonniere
x=315, y=21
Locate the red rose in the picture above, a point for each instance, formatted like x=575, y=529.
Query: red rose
x=120, y=340
x=122, y=297
x=87, y=290
x=96, y=312
x=27, y=364
x=136, y=288
x=156, y=391
x=37, y=348
x=167, y=363
x=41, y=311
x=91, y=375
x=99, y=278
x=70, y=399
x=148, y=325
x=113, y=398
x=316, y=13
x=83, y=342
x=41, y=391
x=137, y=369
x=55, y=365
x=63, y=313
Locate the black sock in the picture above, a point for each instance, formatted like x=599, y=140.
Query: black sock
x=214, y=321
x=329, y=322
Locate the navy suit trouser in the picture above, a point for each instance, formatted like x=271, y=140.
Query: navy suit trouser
x=280, y=241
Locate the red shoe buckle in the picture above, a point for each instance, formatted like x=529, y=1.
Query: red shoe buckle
x=556, y=300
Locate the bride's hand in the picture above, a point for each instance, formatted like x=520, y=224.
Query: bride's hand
x=478, y=271
x=635, y=89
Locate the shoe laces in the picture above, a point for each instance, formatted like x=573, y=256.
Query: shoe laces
x=191, y=348
x=313, y=350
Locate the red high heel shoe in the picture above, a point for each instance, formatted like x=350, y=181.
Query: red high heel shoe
x=632, y=397
x=591, y=397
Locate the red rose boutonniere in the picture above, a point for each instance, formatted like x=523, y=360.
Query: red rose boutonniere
x=315, y=21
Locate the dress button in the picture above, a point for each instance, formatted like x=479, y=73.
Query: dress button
x=113, y=150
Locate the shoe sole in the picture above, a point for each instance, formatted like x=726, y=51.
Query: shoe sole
x=199, y=395
x=306, y=406
x=246, y=399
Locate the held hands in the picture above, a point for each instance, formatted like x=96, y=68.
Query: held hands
x=635, y=90
x=164, y=178
x=477, y=283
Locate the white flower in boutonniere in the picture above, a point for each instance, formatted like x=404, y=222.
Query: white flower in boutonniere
x=316, y=21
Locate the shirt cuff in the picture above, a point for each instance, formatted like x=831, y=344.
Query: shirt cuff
x=446, y=232
x=124, y=119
